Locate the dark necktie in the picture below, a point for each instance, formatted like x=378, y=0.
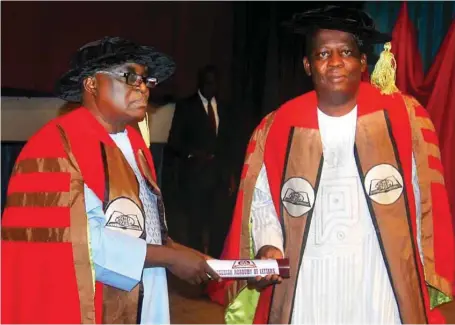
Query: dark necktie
x=211, y=114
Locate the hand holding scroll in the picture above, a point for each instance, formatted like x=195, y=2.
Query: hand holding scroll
x=259, y=282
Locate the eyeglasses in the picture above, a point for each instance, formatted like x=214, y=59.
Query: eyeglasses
x=133, y=79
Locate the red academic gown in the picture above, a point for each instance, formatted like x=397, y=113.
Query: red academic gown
x=411, y=131
x=47, y=276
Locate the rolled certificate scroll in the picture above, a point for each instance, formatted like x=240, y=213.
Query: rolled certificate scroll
x=243, y=269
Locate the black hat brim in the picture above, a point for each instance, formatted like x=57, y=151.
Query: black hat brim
x=160, y=66
x=344, y=19
x=369, y=35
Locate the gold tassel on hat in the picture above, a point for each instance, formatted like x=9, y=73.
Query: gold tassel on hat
x=384, y=73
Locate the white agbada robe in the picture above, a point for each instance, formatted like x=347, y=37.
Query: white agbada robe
x=342, y=278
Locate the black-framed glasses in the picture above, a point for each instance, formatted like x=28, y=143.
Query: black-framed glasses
x=133, y=79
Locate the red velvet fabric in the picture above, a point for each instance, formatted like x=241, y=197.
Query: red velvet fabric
x=369, y=100
x=38, y=278
x=435, y=91
x=441, y=107
x=406, y=51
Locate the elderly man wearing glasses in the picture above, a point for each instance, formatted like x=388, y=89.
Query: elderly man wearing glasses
x=84, y=234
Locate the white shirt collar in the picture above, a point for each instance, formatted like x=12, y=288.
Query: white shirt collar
x=204, y=100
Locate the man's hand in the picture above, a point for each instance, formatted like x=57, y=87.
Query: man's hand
x=259, y=282
x=191, y=267
x=173, y=244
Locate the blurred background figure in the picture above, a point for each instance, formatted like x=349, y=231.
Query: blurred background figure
x=200, y=144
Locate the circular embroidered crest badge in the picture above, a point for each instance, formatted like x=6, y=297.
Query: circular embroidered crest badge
x=384, y=184
x=297, y=196
x=124, y=215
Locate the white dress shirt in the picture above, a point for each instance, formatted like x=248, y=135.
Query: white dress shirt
x=205, y=102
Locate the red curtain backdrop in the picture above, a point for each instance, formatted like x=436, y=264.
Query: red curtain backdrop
x=406, y=51
x=441, y=63
x=441, y=107
x=435, y=91
x=38, y=38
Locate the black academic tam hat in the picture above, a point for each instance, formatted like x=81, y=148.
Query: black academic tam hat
x=351, y=20
x=105, y=53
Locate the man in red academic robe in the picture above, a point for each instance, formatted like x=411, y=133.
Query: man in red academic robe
x=345, y=181
x=84, y=234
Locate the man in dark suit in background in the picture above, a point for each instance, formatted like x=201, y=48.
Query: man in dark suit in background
x=201, y=138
